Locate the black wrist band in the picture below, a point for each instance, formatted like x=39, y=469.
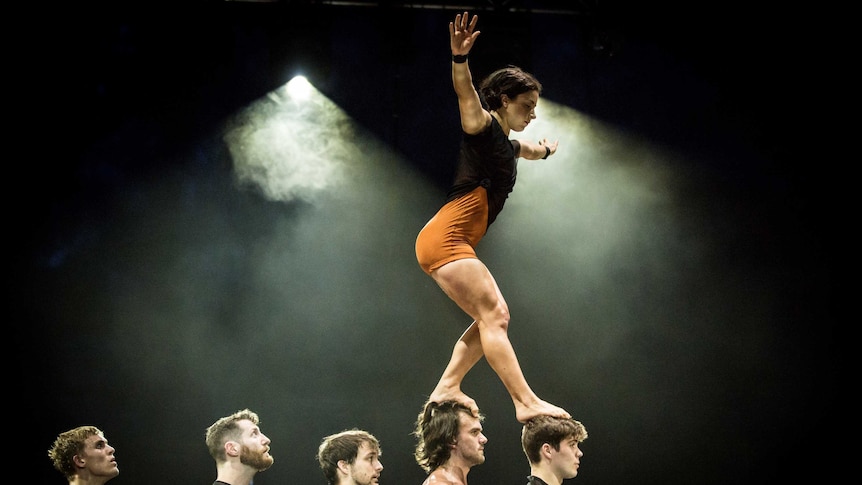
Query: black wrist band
x=547, y=153
x=459, y=59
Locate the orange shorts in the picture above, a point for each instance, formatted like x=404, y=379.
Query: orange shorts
x=454, y=231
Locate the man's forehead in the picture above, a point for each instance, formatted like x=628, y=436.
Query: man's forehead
x=367, y=448
x=247, y=425
x=94, y=439
x=468, y=422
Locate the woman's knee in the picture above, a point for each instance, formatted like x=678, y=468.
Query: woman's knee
x=498, y=319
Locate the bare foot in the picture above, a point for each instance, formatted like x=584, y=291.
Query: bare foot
x=448, y=394
x=525, y=413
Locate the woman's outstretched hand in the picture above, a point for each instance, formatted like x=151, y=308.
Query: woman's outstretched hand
x=552, y=146
x=463, y=33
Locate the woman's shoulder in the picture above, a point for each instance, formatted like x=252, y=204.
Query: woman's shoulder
x=476, y=122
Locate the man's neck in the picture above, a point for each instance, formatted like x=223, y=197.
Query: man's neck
x=450, y=473
x=89, y=481
x=235, y=474
x=546, y=476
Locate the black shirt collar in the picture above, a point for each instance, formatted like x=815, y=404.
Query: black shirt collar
x=534, y=480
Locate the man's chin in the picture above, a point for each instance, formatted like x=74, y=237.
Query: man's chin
x=265, y=462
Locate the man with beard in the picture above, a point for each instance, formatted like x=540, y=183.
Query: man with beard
x=449, y=442
x=552, y=448
x=84, y=456
x=350, y=457
x=239, y=448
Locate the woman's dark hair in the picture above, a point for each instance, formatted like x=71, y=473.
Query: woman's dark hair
x=511, y=81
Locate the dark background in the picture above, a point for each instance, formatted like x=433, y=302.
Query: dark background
x=152, y=295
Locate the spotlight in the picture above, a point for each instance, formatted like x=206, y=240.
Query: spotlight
x=299, y=88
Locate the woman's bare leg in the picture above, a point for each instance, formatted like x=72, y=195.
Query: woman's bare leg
x=467, y=352
x=470, y=285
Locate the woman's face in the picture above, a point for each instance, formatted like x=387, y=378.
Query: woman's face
x=521, y=109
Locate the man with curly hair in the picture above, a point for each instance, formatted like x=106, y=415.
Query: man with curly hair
x=449, y=442
x=84, y=456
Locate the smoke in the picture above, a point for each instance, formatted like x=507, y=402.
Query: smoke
x=289, y=147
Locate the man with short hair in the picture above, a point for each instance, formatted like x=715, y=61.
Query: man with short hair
x=449, y=442
x=84, y=456
x=351, y=457
x=552, y=448
x=239, y=448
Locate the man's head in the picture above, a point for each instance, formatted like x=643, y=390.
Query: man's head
x=552, y=445
x=446, y=430
x=84, y=452
x=350, y=457
x=238, y=437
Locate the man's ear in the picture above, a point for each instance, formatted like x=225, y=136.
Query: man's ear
x=78, y=461
x=231, y=448
x=547, y=449
x=344, y=466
